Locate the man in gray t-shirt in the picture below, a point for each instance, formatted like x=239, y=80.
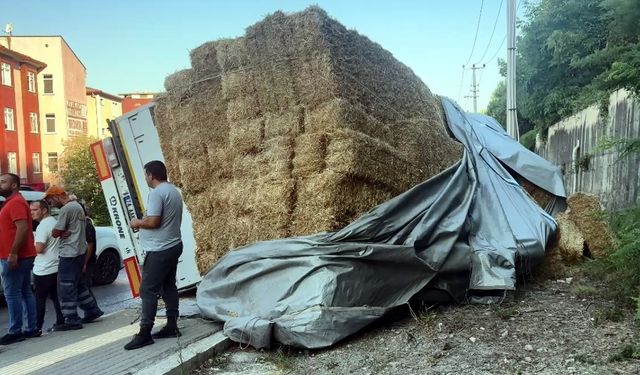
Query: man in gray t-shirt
x=161, y=241
x=165, y=203
x=72, y=245
x=72, y=222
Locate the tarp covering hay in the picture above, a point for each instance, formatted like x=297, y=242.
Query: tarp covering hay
x=298, y=126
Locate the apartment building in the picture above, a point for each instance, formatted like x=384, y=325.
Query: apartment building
x=134, y=100
x=20, y=137
x=101, y=107
x=62, y=95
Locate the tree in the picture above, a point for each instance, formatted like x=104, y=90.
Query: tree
x=497, y=107
x=77, y=173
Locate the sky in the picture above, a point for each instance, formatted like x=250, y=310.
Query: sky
x=131, y=46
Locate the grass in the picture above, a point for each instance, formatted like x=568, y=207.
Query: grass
x=620, y=272
x=611, y=313
x=281, y=360
x=585, y=359
x=585, y=291
x=506, y=313
x=626, y=353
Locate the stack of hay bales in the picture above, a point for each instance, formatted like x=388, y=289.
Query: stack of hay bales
x=582, y=231
x=297, y=127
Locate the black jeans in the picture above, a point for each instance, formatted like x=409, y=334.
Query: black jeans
x=159, y=278
x=73, y=291
x=46, y=286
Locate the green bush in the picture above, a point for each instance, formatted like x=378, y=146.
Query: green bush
x=621, y=270
x=528, y=139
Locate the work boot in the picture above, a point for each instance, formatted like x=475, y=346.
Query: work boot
x=67, y=326
x=32, y=334
x=92, y=317
x=10, y=338
x=170, y=330
x=142, y=338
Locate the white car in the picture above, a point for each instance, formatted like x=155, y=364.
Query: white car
x=109, y=258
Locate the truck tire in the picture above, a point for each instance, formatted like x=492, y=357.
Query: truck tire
x=107, y=267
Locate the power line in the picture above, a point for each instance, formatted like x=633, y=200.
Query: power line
x=504, y=38
x=475, y=38
x=492, y=32
x=461, y=84
x=498, y=50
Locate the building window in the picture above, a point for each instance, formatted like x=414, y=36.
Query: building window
x=35, y=158
x=31, y=77
x=51, y=122
x=33, y=118
x=6, y=74
x=13, y=162
x=48, y=83
x=8, y=119
x=52, y=163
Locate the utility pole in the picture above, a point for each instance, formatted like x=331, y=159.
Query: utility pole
x=474, y=86
x=512, y=113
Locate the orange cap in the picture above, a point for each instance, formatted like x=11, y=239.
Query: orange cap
x=54, y=191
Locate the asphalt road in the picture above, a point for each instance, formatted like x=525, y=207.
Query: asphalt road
x=112, y=297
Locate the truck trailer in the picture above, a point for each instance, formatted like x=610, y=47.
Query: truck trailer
x=120, y=161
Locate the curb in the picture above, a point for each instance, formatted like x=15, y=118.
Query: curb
x=189, y=358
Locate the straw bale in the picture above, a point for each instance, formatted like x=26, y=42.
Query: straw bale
x=178, y=84
x=232, y=54
x=246, y=137
x=221, y=160
x=243, y=108
x=191, y=176
x=310, y=154
x=565, y=251
x=164, y=114
x=542, y=197
x=586, y=211
x=570, y=240
x=332, y=200
x=314, y=81
x=288, y=123
x=204, y=60
x=296, y=127
x=237, y=84
x=274, y=160
x=366, y=158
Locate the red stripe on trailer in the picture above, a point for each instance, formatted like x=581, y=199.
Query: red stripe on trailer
x=97, y=150
x=133, y=273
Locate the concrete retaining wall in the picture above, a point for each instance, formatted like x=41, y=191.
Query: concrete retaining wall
x=573, y=144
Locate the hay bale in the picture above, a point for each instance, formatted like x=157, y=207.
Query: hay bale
x=565, y=251
x=586, y=211
x=298, y=126
x=570, y=240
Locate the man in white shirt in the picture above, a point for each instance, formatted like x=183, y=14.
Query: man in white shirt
x=45, y=266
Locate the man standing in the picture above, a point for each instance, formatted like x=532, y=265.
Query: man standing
x=17, y=253
x=72, y=246
x=161, y=241
x=45, y=267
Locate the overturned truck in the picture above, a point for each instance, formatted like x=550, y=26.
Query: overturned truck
x=348, y=186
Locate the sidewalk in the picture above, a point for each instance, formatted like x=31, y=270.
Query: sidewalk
x=98, y=349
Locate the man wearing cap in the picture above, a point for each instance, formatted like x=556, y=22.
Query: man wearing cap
x=72, y=246
x=17, y=252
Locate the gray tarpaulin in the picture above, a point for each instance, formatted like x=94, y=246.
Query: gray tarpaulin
x=462, y=232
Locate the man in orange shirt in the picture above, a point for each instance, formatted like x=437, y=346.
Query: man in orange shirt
x=17, y=252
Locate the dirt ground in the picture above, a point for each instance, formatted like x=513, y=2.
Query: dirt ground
x=555, y=327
